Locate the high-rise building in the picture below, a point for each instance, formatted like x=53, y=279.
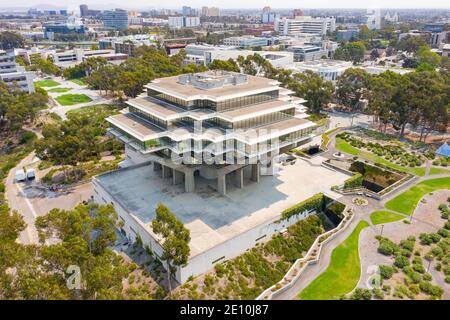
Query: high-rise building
x=373, y=17
x=305, y=24
x=117, y=19
x=183, y=22
x=188, y=11
x=269, y=17
x=210, y=11
x=84, y=10
x=297, y=12
x=266, y=9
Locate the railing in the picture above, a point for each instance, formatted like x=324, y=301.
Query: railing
x=311, y=257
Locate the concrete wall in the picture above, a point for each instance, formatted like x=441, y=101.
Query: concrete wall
x=203, y=262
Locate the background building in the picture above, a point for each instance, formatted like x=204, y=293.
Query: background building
x=210, y=11
x=116, y=19
x=305, y=24
x=246, y=41
x=347, y=35
x=183, y=22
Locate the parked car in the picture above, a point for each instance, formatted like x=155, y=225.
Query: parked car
x=31, y=175
x=20, y=175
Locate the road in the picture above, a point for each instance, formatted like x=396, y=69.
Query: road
x=39, y=202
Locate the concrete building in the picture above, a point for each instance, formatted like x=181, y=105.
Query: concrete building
x=228, y=204
x=269, y=17
x=127, y=44
x=246, y=41
x=115, y=19
x=326, y=69
x=210, y=11
x=205, y=54
x=308, y=53
x=71, y=58
x=11, y=73
x=184, y=22
x=305, y=24
x=373, y=19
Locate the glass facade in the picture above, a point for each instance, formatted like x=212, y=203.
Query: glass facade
x=155, y=120
x=264, y=119
x=217, y=106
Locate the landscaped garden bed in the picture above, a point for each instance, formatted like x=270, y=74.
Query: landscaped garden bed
x=248, y=275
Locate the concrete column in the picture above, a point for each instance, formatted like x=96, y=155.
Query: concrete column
x=255, y=172
x=222, y=184
x=177, y=177
x=189, y=182
x=239, y=177
x=156, y=166
x=166, y=172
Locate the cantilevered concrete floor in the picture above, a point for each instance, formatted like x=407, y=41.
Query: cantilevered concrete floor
x=213, y=218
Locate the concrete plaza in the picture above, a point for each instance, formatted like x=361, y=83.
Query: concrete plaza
x=211, y=217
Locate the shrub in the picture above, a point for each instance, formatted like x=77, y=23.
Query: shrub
x=314, y=203
x=387, y=247
x=354, y=181
x=377, y=293
x=428, y=288
x=425, y=239
x=386, y=271
x=401, y=261
x=361, y=294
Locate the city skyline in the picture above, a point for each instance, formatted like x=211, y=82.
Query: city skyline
x=234, y=4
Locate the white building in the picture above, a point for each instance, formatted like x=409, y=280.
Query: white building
x=373, y=17
x=11, y=73
x=210, y=11
x=70, y=58
x=205, y=54
x=184, y=22
x=327, y=69
x=305, y=24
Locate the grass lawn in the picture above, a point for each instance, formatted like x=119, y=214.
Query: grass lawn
x=79, y=82
x=59, y=90
x=71, y=99
x=379, y=217
x=408, y=200
x=342, y=275
x=47, y=83
x=344, y=146
x=437, y=170
x=95, y=110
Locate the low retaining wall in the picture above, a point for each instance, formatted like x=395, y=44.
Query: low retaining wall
x=311, y=257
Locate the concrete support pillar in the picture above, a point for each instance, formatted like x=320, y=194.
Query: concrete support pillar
x=222, y=184
x=177, y=177
x=255, y=172
x=239, y=177
x=189, y=182
x=166, y=172
x=156, y=166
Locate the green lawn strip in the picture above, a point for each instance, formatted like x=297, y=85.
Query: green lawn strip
x=379, y=217
x=72, y=99
x=342, y=275
x=47, y=83
x=344, y=146
x=407, y=201
x=437, y=170
x=95, y=110
x=79, y=82
x=59, y=90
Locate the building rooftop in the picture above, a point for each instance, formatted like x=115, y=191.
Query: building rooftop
x=138, y=127
x=213, y=219
x=173, y=86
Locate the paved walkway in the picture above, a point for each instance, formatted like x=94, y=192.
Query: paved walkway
x=31, y=201
x=426, y=219
x=365, y=243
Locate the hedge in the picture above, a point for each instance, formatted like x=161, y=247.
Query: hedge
x=354, y=181
x=315, y=202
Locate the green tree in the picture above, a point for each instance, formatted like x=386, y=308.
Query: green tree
x=10, y=40
x=351, y=86
x=316, y=91
x=175, y=238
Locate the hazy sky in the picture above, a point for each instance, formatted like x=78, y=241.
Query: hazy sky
x=237, y=3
